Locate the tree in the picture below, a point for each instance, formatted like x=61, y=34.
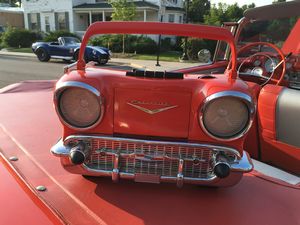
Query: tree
x=222, y=12
x=11, y=2
x=197, y=10
x=123, y=11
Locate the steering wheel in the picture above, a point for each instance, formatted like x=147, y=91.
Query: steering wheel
x=270, y=77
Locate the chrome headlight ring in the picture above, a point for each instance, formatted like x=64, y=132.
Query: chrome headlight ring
x=61, y=88
x=244, y=98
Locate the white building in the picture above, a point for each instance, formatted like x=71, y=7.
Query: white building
x=77, y=15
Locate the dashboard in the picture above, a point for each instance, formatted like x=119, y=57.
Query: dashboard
x=263, y=64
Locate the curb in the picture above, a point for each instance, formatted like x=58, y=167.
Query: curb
x=18, y=54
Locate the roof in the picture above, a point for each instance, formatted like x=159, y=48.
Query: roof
x=105, y=5
x=274, y=11
x=11, y=9
x=174, y=8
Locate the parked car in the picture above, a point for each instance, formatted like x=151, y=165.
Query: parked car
x=200, y=123
x=67, y=48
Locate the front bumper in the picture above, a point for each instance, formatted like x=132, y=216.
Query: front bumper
x=116, y=158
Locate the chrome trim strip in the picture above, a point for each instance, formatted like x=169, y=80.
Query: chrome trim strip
x=62, y=86
x=70, y=67
x=244, y=97
x=62, y=57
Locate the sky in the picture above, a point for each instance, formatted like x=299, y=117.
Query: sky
x=245, y=2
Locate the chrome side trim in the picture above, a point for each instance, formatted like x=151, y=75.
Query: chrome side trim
x=242, y=96
x=63, y=86
x=62, y=57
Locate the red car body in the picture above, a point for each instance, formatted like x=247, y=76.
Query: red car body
x=163, y=108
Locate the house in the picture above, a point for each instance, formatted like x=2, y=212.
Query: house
x=11, y=16
x=77, y=15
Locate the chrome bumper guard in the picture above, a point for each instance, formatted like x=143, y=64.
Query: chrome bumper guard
x=238, y=166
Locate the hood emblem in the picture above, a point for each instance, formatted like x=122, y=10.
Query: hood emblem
x=151, y=111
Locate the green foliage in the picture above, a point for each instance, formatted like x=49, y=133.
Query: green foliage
x=11, y=2
x=145, y=45
x=197, y=10
x=225, y=13
x=138, y=44
x=52, y=36
x=123, y=10
x=18, y=38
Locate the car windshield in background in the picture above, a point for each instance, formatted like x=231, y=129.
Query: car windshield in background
x=71, y=41
x=272, y=31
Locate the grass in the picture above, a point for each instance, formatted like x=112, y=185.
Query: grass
x=164, y=56
x=23, y=50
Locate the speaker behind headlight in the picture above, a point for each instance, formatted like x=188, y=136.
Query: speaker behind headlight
x=227, y=115
x=79, y=105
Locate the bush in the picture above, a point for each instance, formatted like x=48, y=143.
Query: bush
x=52, y=36
x=133, y=43
x=18, y=38
x=145, y=45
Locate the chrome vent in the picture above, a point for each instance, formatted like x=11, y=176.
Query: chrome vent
x=152, y=158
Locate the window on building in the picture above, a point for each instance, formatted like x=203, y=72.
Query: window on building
x=171, y=18
x=61, y=21
x=33, y=21
x=180, y=19
x=47, y=23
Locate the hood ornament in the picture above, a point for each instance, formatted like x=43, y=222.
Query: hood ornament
x=136, y=104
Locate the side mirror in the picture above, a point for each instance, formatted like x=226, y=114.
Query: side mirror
x=204, y=56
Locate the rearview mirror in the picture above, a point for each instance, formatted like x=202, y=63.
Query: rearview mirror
x=204, y=56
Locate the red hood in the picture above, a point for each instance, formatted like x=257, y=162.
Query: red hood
x=152, y=112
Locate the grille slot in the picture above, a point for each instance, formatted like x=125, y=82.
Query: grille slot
x=151, y=158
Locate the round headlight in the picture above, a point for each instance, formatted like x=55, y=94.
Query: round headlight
x=79, y=107
x=226, y=116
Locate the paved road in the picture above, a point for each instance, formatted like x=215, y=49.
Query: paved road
x=18, y=68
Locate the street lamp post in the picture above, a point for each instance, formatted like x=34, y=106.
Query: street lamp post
x=159, y=43
x=185, y=55
x=162, y=11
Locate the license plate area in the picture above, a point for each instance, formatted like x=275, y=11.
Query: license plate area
x=147, y=178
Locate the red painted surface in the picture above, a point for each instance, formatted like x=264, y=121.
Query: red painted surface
x=292, y=43
x=188, y=30
x=251, y=144
x=273, y=151
x=19, y=204
x=267, y=110
x=30, y=127
x=173, y=122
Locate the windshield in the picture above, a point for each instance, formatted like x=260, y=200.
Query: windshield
x=272, y=31
x=71, y=41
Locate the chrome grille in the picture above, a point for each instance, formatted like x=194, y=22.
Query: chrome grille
x=151, y=158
